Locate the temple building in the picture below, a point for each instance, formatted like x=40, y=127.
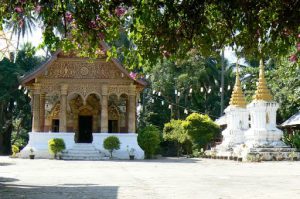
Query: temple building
x=82, y=101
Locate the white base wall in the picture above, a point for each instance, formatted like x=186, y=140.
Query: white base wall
x=264, y=138
x=38, y=141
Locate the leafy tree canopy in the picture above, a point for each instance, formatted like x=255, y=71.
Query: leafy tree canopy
x=201, y=129
x=166, y=28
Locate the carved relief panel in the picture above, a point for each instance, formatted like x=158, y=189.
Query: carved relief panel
x=83, y=70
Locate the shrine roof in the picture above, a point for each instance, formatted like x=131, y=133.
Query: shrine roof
x=31, y=75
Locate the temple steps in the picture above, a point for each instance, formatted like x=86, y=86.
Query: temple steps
x=82, y=151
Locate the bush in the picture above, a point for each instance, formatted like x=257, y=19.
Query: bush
x=56, y=145
x=15, y=149
x=173, y=131
x=111, y=143
x=296, y=141
x=292, y=140
x=201, y=129
x=149, y=140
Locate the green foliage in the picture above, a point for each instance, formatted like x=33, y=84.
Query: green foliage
x=15, y=110
x=198, y=73
x=111, y=143
x=56, y=145
x=201, y=129
x=174, y=131
x=149, y=139
x=160, y=29
x=292, y=140
x=15, y=149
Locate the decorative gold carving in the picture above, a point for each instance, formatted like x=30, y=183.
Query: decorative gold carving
x=79, y=70
x=84, y=71
x=113, y=113
x=237, y=96
x=262, y=92
x=118, y=90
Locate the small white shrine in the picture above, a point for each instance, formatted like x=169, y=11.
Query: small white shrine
x=237, y=120
x=262, y=140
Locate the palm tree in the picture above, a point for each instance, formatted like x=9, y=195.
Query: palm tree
x=21, y=26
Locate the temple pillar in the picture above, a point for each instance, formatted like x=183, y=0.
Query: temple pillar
x=131, y=109
x=104, y=111
x=36, y=108
x=42, y=112
x=63, y=108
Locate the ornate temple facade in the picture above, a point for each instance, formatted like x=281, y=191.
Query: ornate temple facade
x=82, y=101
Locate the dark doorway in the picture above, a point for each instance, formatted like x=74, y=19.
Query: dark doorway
x=85, y=129
x=113, y=126
x=55, y=125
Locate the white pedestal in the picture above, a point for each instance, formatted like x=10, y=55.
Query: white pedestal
x=38, y=141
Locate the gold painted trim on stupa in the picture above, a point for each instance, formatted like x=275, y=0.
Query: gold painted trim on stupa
x=237, y=96
x=262, y=92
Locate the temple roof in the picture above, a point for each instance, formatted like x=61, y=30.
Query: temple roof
x=292, y=121
x=262, y=92
x=43, y=67
x=237, y=96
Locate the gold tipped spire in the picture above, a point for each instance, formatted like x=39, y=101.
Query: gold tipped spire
x=262, y=92
x=237, y=96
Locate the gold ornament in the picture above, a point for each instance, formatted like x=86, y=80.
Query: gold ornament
x=262, y=92
x=237, y=96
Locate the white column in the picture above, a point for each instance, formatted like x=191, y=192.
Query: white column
x=132, y=109
x=36, y=108
x=63, y=108
x=104, y=111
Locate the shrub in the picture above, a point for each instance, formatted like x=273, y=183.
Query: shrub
x=15, y=149
x=149, y=140
x=174, y=131
x=111, y=143
x=292, y=140
x=56, y=145
x=201, y=129
x=296, y=141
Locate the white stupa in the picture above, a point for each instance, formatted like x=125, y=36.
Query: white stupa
x=237, y=118
x=263, y=131
x=263, y=138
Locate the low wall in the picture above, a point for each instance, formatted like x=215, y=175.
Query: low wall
x=126, y=139
x=38, y=141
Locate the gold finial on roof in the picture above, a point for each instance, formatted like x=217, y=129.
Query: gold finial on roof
x=262, y=92
x=237, y=96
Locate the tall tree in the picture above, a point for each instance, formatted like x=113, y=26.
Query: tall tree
x=15, y=110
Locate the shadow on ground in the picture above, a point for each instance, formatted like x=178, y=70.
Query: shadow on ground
x=65, y=191
x=6, y=163
x=162, y=160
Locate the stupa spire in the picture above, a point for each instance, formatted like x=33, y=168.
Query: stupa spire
x=237, y=96
x=262, y=92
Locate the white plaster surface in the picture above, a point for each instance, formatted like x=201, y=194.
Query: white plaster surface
x=155, y=179
x=39, y=143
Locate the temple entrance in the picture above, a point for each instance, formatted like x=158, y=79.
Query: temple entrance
x=85, y=129
x=113, y=126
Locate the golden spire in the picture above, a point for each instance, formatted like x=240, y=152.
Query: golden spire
x=262, y=92
x=237, y=96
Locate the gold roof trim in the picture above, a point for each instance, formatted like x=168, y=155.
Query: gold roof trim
x=237, y=96
x=262, y=92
